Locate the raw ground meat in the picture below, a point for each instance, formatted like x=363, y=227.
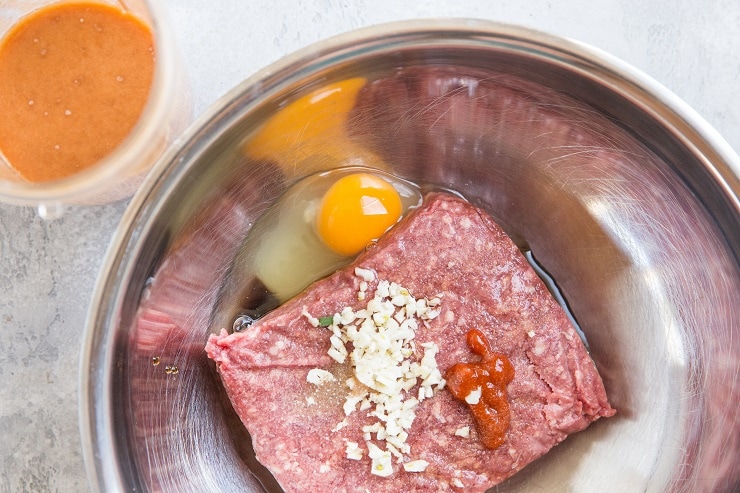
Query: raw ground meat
x=445, y=247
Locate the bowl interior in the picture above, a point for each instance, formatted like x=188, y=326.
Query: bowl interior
x=618, y=198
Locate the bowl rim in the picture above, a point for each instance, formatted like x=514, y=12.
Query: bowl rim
x=94, y=396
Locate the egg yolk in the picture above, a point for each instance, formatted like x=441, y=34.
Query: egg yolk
x=356, y=210
x=311, y=133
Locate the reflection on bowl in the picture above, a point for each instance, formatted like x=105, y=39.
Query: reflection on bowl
x=622, y=193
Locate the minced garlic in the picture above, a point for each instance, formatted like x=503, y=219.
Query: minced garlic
x=353, y=450
x=381, y=460
x=317, y=376
x=418, y=465
x=382, y=338
x=463, y=431
x=473, y=397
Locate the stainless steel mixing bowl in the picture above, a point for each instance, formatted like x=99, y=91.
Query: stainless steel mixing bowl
x=621, y=192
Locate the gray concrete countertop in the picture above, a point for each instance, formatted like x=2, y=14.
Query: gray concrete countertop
x=48, y=268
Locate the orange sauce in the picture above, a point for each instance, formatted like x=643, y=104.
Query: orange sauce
x=74, y=80
x=488, y=378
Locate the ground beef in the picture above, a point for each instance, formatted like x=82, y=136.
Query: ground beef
x=445, y=247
